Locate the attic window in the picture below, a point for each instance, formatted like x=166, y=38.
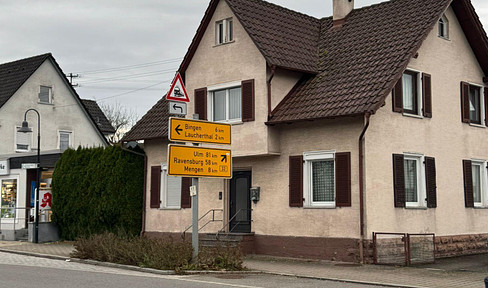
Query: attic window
x=224, y=31
x=443, y=27
x=46, y=95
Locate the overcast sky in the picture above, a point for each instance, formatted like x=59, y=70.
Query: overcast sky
x=125, y=51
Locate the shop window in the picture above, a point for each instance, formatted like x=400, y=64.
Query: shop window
x=9, y=198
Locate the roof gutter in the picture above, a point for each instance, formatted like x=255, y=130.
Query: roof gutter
x=361, y=186
x=273, y=70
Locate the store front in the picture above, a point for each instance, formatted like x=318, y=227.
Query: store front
x=18, y=176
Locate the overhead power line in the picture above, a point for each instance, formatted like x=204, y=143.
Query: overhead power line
x=128, y=76
x=136, y=66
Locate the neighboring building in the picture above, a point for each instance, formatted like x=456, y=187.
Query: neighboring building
x=66, y=122
x=337, y=155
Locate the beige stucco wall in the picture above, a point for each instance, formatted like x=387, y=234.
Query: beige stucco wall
x=272, y=214
x=65, y=114
x=443, y=137
x=236, y=61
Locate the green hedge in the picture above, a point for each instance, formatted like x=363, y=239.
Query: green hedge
x=97, y=190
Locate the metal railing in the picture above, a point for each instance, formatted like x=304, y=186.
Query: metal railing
x=403, y=248
x=212, y=211
x=237, y=223
x=14, y=221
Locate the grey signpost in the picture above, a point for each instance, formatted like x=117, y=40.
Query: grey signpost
x=194, y=211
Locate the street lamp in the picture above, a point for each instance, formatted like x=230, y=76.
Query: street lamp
x=25, y=129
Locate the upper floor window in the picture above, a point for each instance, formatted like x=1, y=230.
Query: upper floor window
x=412, y=95
x=46, y=95
x=473, y=104
x=224, y=31
x=22, y=141
x=226, y=104
x=64, y=140
x=443, y=26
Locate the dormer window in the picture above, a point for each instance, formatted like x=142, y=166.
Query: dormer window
x=443, y=27
x=224, y=31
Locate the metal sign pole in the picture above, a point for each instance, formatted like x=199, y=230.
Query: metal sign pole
x=194, y=212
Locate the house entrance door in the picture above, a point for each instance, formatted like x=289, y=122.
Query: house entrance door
x=240, y=202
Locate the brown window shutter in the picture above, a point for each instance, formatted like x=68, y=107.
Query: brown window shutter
x=430, y=182
x=247, y=93
x=185, y=193
x=486, y=106
x=201, y=103
x=397, y=96
x=427, y=94
x=465, y=102
x=296, y=181
x=468, y=184
x=399, y=180
x=343, y=179
x=155, y=187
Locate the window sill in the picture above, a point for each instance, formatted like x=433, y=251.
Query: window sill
x=477, y=125
x=23, y=151
x=444, y=38
x=43, y=103
x=320, y=207
x=218, y=45
x=481, y=207
x=413, y=115
x=416, y=208
x=231, y=122
x=170, y=209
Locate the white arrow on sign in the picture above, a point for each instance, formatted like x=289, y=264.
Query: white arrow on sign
x=177, y=108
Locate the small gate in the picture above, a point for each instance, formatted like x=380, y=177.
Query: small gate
x=403, y=249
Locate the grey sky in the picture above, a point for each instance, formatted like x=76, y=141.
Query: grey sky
x=90, y=37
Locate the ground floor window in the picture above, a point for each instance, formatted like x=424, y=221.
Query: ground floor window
x=319, y=179
x=9, y=197
x=170, y=190
x=479, y=183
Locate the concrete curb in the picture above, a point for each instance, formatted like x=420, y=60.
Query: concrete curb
x=340, y=280
x=125, y=267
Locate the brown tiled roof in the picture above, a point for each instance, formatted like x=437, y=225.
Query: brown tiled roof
x=286, y=38
x=348, y=71
x=152, y=125
x=98, y=116
x=360, y=63
x=14, y=74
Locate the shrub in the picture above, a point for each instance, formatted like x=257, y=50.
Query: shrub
x=96, y=190
x=155, y=253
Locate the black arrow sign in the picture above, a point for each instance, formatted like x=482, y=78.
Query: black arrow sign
x=177, y=129
x=224, y=158
x=178, y=107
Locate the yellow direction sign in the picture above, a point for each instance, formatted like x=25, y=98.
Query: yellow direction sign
x=186, y=130
x=188, y=161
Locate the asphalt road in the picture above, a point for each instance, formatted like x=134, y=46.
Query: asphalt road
x=26, y=272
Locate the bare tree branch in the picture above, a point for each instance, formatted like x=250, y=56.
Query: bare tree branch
x=121, y=118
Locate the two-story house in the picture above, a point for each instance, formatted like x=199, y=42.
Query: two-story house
x=66, y=121
x=371, y=120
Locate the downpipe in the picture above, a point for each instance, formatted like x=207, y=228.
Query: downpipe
x=361, y=187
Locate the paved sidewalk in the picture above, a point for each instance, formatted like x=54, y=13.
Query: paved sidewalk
x=430, y=276
x=369, y=274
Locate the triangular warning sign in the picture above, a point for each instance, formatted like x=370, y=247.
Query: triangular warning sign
x=177, y=91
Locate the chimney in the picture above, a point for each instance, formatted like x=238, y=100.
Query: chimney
x=341, y=10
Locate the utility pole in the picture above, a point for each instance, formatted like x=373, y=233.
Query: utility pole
x=71, y=76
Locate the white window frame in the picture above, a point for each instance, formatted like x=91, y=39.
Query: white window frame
x=164, y=190
x=50, y=95
x=419, y=85
x=210, y=101
x=225, y=37
x=15, y=143
x=484, y=182
x=482, y=105
x=70, y=138
x=421, y=189
x=445, y=31
x=308, y=159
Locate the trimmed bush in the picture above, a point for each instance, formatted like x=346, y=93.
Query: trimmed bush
x=97, y=190
x=155, y=253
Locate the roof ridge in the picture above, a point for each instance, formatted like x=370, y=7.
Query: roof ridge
x=46, y=55
x=287, y=9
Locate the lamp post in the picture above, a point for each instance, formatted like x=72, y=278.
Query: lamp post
x=25, y=129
